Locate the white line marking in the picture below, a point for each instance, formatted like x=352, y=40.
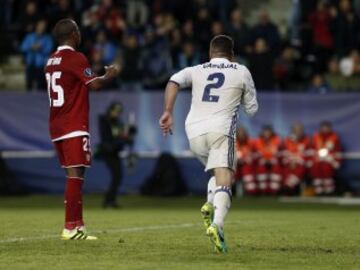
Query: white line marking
x=129, y=229
x=111, y=231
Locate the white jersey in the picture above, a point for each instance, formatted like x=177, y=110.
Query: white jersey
x=218, y=89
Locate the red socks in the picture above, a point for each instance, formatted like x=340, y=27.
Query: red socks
x=73, y=202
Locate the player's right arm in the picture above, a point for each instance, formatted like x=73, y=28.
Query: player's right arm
x=248, y=99
x=177, y=81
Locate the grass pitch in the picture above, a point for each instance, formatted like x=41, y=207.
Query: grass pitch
x=166, y=233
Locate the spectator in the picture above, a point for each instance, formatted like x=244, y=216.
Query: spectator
x=112, y=18
x=239, y=31
x=97, y=65
x=92, y=26
x=268, y=168
x=175, y=46
x=319, y=85
x=336, y=81
x=327, y=159
x=295, y=23
x=106, y=48
x=320, y=21
x=245, y=171
x=261, y=65
x=188, y=31
x=189, y=56
x=284, y=68
x=347, y=29
x=318, y=30
x=137, y=13
x=60, y=10
x=296, y=159
x=36, y=48
x=29, y=18
x=157, y=61
x=267, y=31
x=217, y=28
x=131, y=58
x=163, y=24
x=202, y=25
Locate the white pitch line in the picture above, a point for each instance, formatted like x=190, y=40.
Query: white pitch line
x=111, y=231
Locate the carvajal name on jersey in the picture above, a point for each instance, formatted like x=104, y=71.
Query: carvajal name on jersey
x=54, y=61
x=221, y=66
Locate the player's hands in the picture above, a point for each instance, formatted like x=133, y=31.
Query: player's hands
x=111, y=71
x=166, y=122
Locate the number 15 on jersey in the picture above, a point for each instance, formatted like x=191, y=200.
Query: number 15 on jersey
x=53, y=87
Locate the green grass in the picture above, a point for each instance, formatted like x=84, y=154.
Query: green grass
x=261, y=234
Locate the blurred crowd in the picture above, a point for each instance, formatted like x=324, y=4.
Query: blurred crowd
x=269, y=165
x=318, y=51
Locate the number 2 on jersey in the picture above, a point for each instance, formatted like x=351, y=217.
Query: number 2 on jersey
x=220, y=78
x=52, y=86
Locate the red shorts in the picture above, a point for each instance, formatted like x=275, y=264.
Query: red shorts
x=74, y=152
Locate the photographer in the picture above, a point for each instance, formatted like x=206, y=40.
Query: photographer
x=114, y=135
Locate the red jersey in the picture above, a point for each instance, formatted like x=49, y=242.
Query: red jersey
x=68, y=74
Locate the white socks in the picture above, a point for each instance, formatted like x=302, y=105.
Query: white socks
x=211, y=190
x=222, y=203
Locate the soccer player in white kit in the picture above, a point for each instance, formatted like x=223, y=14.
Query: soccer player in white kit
x=219, y=87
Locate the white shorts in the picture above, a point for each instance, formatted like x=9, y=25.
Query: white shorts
x=214, y=150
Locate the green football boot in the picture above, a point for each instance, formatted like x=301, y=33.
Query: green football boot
x=217, y=238
x=207, y=212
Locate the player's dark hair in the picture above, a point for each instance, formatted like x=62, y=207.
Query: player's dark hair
x=63, y=30
x=222, y=45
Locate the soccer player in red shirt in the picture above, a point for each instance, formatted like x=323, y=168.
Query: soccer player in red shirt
x=69, y=78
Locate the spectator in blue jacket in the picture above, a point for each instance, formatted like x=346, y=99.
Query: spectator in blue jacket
x=36, y=48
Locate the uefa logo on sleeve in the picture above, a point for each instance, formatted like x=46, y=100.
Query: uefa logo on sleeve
x=88, y=72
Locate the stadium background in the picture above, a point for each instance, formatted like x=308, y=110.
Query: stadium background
x=310, y=47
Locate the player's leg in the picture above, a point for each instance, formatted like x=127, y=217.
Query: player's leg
x=328, y=182
x=293, y=177
x=316, y=173
x=262, y=178
x=222, y=198
x=249, y=179
x=73, y=197
x=211, y=190
x=207, y=210
x=222, y=162
x=114, y=165
x=199, y=147
x=74, y=155
x=222, y=203
x=275, y=179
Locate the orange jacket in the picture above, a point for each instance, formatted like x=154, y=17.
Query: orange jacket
x=268, y=150
x=297, y=150
x=245, y=150
x=327, y=148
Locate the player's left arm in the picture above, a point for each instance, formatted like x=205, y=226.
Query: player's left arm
x=177, y=81
x=249, y=99
x=82, y=69
x=111, y=72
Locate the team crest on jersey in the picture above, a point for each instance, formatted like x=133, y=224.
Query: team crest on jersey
x=88, y=72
